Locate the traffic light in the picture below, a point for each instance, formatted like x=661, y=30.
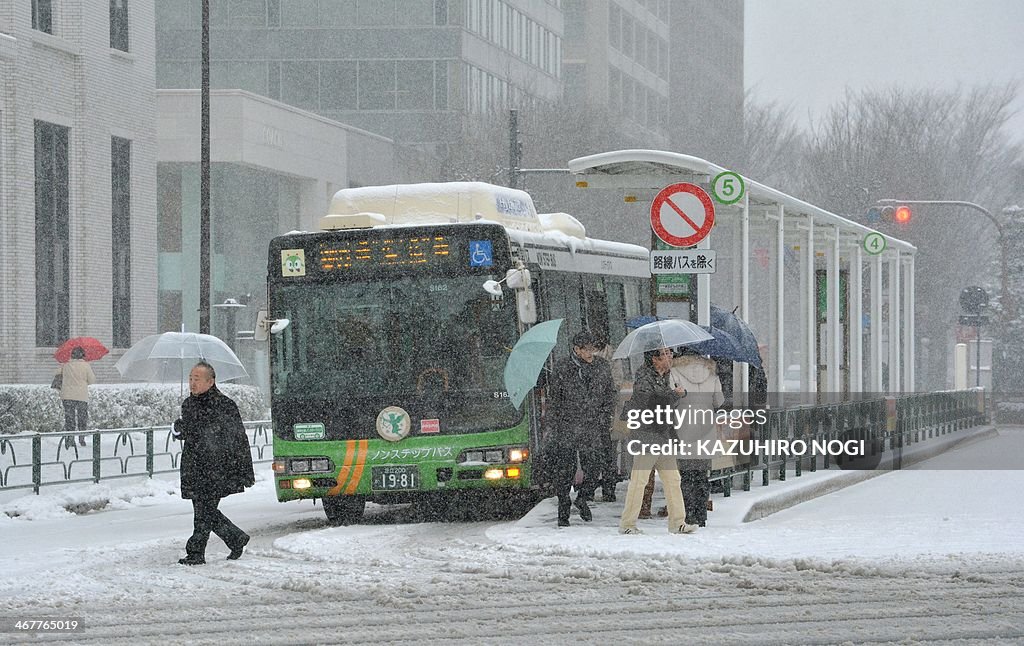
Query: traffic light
x=898, y=215
x=902, y=215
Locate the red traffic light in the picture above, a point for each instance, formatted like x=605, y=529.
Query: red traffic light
x=901, y=215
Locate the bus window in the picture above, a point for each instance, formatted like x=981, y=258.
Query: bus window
x=597, y=314
x=616, y=311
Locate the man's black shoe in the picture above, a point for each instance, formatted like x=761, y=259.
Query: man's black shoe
x=192, y=560
x=585, y=513
x=236, y=552
x=608, y=496
x=563, y=522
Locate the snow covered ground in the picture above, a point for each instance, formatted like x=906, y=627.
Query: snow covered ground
x=928, y=554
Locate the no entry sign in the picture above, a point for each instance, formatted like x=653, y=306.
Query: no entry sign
x=682, y=214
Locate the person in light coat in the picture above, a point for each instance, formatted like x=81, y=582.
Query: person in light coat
x=76, y=377
x=698, y=376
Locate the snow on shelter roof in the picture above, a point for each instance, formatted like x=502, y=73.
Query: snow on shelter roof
x=645, y=165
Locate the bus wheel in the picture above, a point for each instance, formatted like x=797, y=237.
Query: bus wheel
x=342, y=510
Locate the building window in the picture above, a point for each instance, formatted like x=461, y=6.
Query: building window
x=119, y=25
x=441, y=85
x=377, y=85
x=42, y=15
x=121, y=239
x=52, y=253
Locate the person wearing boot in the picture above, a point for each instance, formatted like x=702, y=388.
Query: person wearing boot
x=698, y=376
x=215, y=462
x=651, y=389
x=580, y=399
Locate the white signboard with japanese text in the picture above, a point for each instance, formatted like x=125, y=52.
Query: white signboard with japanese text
x=683, y=261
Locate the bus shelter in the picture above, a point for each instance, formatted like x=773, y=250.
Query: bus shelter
x=802, y=277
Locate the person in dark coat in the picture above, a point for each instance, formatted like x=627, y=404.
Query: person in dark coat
x=580, y=400
x=215, y=462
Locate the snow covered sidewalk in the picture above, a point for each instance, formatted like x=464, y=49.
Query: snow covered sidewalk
x=926, y=554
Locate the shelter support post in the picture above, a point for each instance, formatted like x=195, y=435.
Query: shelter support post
x=894, y=323
x=856, y=322
x=835, y=356
x=810, y=370
x=744, y=368
x=908, y=326
x=779, y=360
x=876, y=324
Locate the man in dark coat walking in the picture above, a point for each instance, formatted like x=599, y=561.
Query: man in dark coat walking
x=581, y=396
x=215, y=462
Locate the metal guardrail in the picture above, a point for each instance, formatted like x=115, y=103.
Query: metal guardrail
x=888, y=423
x=111, y=453
x=883, y=423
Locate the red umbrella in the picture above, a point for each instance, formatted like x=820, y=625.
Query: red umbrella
x=93, y=349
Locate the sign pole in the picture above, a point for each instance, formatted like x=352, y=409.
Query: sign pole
x=977, y=355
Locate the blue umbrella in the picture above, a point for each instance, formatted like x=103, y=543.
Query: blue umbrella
x=527, y=359
x=746, y=341
x=724, y=346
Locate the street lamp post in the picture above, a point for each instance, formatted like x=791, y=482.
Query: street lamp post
x=1008, y=308
x=1005, y=299
x=204, y=175
x=230, y=307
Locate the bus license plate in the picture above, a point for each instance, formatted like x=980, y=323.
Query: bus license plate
x=397, y=478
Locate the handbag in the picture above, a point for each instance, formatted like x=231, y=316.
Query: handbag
x=58, y=381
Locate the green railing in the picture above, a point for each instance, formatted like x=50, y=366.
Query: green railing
x=886, y=425
x=34, y=460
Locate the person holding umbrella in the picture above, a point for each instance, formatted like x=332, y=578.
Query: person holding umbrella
x=652, y=388
x=215, y=462
x=73, y=379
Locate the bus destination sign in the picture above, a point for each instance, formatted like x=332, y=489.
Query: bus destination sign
x=384, y=251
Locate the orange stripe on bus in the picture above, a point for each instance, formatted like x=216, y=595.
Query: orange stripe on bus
x=350, y=446
x=360, y=463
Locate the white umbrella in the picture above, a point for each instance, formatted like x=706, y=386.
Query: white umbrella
x=669, y=333
x=169, y=356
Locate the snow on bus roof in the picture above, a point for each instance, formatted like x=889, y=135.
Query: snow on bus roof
x=404, y=205
x=574, y=244
x=428, y=202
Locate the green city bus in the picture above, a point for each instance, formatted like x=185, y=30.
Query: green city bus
x=387, y=352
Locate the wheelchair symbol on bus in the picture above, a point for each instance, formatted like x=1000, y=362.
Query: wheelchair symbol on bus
x=480, y=253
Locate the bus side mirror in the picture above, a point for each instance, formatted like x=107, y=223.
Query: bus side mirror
x=262, y=329
x=266, y=326
x=526, y=306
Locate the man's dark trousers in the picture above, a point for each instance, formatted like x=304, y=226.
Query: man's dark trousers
x=207, y=518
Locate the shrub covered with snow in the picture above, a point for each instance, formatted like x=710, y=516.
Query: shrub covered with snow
x=37, y=408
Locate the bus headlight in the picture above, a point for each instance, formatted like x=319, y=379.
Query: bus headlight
x=301, y=483
x=474, y=456
x=494, y=474
x=517, y=455
x=298, y=466
x=319, y=465
x=494, y=457
x=278, y=466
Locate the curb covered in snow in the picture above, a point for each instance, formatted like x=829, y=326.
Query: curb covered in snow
x=911, y=455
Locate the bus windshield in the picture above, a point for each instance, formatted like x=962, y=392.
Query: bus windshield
x=434, y=345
